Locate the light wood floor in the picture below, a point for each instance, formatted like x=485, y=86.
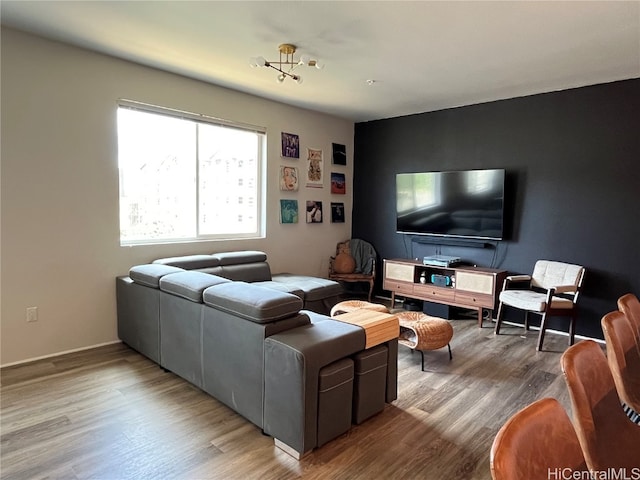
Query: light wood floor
x=110, y=413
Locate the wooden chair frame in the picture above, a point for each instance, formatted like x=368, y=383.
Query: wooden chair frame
x=354, y=277
x=549, y=311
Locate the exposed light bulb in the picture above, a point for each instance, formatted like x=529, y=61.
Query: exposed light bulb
x=319, y=64
x=304, y=60
x=298, y=79
x=261, y=61
x=280, y=78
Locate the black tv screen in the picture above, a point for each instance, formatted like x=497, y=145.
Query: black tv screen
x=468, y=203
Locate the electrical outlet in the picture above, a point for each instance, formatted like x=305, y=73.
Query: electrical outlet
x=32, y=314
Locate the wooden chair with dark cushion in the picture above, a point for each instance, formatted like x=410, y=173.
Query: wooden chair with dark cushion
x=609, y=439
x=355, y=261
x=537, y=440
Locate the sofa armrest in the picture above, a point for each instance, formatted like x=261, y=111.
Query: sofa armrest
x=293, y=360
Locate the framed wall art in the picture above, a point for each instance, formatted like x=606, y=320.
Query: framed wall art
x=338, y=183
x=288, y=178
x=337, y=212
x=314, y=211
x=288, y=211
x=314, y=168
x=339, y=154
x=290, y=145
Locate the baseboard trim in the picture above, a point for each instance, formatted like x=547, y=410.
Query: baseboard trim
x=513, y=324
x=557, y=332
x=44, y=357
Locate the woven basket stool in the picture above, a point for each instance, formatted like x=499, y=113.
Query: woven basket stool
x=351, y=305
x=421, y=332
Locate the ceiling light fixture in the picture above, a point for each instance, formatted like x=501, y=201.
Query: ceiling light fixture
x=287, y=63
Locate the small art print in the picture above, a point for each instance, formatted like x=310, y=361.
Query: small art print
x=338, y=183
x=288, y=178
x=288, y=211
x=314, y=211
x=290, y=145
x=337, y=212
x=339, y=154
x=314, y=168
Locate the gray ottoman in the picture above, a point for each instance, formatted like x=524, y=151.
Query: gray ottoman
x=335, y=390
x=370, y=383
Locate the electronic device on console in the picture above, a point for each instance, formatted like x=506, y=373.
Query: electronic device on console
x=441, y=261
x=441, y=280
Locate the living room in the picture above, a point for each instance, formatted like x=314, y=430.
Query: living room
x=570, y=157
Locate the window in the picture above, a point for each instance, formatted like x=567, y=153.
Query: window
x=187, y=177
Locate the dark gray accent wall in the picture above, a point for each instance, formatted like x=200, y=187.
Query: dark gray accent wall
x=573, y=184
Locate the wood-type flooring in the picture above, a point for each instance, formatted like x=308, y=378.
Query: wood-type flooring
x=110, y=413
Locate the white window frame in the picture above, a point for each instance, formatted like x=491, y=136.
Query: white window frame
x=260, y=174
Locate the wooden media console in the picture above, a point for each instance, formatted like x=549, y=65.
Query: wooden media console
x=465, y=286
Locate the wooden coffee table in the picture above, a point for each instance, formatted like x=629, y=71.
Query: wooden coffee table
x=378, y=327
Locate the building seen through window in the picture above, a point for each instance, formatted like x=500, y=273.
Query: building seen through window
x=184, y=179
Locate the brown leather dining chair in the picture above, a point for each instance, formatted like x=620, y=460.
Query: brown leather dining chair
x=630, y=306
x=608, y=438
x=535, y=441
x=623, y=358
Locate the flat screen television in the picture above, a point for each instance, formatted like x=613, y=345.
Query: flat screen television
x=465, y=204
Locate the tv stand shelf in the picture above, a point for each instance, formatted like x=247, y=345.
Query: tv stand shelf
x=468, y=287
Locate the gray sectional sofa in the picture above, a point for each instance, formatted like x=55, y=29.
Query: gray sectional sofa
x=318, y=294
x=253, y=341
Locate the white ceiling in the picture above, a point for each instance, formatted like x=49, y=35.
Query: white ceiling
x=423, y=56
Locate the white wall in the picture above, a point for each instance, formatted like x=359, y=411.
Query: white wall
x=59, y=197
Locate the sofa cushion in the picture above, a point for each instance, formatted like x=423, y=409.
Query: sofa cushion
x=258, y=304
x=243, y=256
x=532, y=300
x=189, y=285
x=245, y=272
x=314, y=288
x=150, y=274
x=564, y=277
x=190, y=262
x=282, y=287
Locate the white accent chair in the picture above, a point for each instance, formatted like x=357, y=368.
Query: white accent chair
x=552, y=291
